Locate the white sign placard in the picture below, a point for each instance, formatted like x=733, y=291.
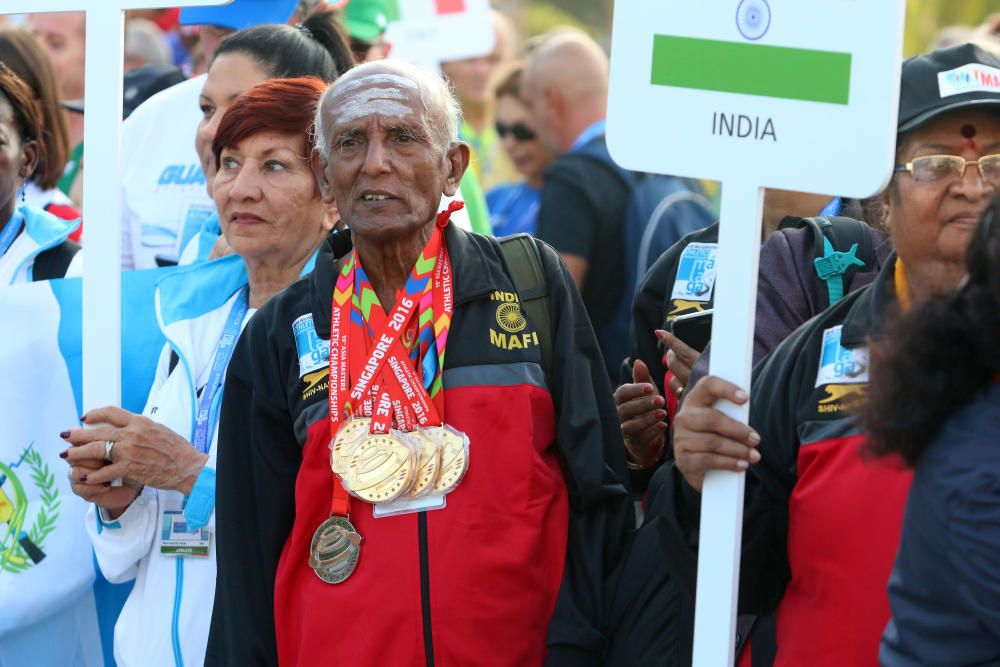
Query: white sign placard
x=429, y=32
x=795, y=91
x=102, y=183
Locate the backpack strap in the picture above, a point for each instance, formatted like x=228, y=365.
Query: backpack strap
x=842, y=247
x=524, y=264
x=52, y=263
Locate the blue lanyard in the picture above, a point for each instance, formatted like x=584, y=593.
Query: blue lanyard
x=223, y=353
x=10, y=232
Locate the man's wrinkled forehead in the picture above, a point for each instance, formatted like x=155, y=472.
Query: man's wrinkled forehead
x=382, y=94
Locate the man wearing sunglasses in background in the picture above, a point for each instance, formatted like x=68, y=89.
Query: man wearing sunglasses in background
x=821, y=519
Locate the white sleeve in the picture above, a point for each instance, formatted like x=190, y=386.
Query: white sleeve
x=121, y=544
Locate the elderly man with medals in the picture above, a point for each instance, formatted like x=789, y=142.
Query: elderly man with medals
x=385, y=502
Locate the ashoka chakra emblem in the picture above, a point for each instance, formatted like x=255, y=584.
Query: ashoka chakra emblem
x=509, y=317
x=753, y=18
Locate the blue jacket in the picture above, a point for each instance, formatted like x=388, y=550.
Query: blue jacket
x=945, y=587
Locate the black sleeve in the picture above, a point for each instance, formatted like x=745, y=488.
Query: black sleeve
x=569, y=219
x=601, y=513
x=649, y=314
x=258, y=460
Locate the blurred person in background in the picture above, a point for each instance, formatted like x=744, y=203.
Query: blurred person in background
x=944, y=594
x=164, y=201
x=473, y=80
x=64, y=36
x=20, y=51
x=145, y=44
x=274, y=219
x=366, y=22
x=514, y=206
x=582, y=215
x=34, y=244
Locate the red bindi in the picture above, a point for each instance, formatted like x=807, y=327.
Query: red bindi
x=969, y=132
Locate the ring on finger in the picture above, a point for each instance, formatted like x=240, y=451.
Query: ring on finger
x=108, y=444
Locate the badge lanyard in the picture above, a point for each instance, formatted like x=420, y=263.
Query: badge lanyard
x=223, y=353
x=10, y=232
x=351, y=363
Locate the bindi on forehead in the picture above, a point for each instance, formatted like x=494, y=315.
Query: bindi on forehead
x=969, y=134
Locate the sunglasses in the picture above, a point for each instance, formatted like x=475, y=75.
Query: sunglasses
x=950, y=168
x=520, y=131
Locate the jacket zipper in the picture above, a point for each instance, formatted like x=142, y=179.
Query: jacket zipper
x=425, y=589
x=175, y=639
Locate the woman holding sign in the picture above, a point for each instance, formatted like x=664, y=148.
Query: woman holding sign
x=821, y=521
x=158, y=527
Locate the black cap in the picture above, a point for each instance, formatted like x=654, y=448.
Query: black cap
x=143, y=82
x=959, y=77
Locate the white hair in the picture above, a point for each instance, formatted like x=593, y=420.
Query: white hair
x=443, y=113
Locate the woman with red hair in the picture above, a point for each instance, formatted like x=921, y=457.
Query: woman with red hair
x=158, y=526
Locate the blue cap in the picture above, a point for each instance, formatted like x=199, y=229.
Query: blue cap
x=240, y=14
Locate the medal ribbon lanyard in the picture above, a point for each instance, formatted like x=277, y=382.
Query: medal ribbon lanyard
x=10, y=231
x=388, y=352
x=217, y=376
x=423, y=398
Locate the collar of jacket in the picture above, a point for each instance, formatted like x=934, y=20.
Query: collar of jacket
x=867, y=317
x=474, y=272
x=45, y=229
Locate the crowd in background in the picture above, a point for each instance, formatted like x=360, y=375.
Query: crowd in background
x=871, y=522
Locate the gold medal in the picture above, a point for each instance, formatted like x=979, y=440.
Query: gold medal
x=335, y=549
x=381, y=469
x=454, y=458
x=428, y=464
x=346, y=442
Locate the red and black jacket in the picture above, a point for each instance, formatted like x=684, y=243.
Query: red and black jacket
x=515, y=570
x=821, y=518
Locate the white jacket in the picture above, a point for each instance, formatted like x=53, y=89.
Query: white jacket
x=41, y=231
x=164, y=201
x=166, y=618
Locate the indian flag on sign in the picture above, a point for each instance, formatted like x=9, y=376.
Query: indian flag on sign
x=751, y=69
x=441, y=8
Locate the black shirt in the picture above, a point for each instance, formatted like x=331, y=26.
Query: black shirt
x=583, y=213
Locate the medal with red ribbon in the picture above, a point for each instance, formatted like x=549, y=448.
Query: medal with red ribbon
x=386, y=398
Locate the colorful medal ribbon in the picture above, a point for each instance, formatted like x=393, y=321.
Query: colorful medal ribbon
x=372, y=360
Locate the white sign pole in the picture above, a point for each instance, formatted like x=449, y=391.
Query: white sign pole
x=722, y=492
x=102, y=184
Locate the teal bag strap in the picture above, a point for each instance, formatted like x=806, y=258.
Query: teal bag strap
x=831, y=267
x=524, y=263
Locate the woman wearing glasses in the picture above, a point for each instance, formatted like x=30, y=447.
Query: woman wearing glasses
x=514, y=206
x=822, y=520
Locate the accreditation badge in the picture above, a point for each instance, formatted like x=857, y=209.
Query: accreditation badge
x=177, y=538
